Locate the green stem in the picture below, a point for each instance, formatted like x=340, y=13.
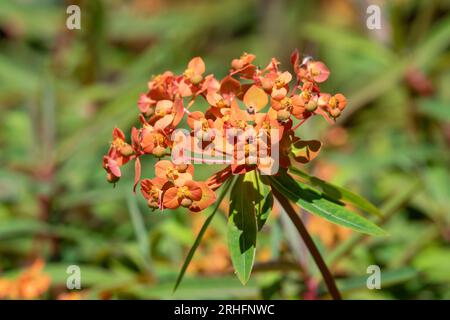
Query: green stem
x=326, y=274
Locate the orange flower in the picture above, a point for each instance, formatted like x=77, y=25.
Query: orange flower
x=30, y=284
x=182, y=195
x=177, y=174
x=152, y=190
x=119, y=154
x=281, y=86
x=195, y=70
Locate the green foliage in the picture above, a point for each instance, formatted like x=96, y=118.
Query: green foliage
x=317, y=203
x=242, y=225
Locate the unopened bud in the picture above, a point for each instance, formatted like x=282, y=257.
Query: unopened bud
x=126, y=150
x=186, y=202
x=182, y=167
x=336, y=112
x=311, y=105
x=283, y=115
x=159, y=152
x=152, y=204
x=112, y=178
x=196, y=79
x=150, y=112
x=267, y=84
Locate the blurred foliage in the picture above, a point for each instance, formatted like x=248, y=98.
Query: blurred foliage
x=63, y=90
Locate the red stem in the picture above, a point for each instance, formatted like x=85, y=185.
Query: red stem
x=326, y=274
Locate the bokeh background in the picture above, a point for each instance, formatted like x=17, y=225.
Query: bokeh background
x=62, y=91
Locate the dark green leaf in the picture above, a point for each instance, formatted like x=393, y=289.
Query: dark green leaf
x=263, y=199
x=337, y=193
x=242, y=226
x=317, y=204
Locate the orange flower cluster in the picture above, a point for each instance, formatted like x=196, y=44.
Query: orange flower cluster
x=30, y=284
x=265, y=101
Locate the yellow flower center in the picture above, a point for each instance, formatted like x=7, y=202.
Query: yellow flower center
x=188, y=73
x=172, y=173
x=286, y=103
x=333, y=102
x=183, y=192
x=221, y=103
x=118, y=143
x=279, y=83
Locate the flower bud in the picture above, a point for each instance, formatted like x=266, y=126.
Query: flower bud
x=159, y=152
x=267, y=84
x=283, y=115
x=150, y=112
x=196, y=79
x=182, y=167
x=151, y=203
x=186, y=202
x=126, y=150
x=111, y=178
x=311, y=105
x=336, y=112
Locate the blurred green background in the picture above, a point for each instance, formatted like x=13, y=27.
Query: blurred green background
x=62, y=91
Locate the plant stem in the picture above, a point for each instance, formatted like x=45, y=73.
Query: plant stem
x=326, y=274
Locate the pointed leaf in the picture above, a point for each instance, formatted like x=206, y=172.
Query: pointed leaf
x=337, y=193
x=262, y=198
x=242, y=227
x=315, y=203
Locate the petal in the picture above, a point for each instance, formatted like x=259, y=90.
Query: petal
x=255, y=97
x=182, y=179
x=207, y=199
x=193, y=117
x=118, y=134
x=306, y=150
x=161, y=168
x=230, y=85
x=144, y=103
x=170, y=199
x=114, y=167
x=179, y=112
x=213, y=98
x=279, y=94
x=165, y=104
x=286, y=77
x=194, y=189
x=137, y=173
x=198, y=65
x=164, y=122
x=184, y=89
x=321, y=68
x=146, y=187
x=342, y=101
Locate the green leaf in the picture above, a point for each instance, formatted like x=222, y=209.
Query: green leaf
x=435, y=108
x=242, y=226
x=317, y=204
x=197, y=241
x=337, y=193
x=262, y=197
